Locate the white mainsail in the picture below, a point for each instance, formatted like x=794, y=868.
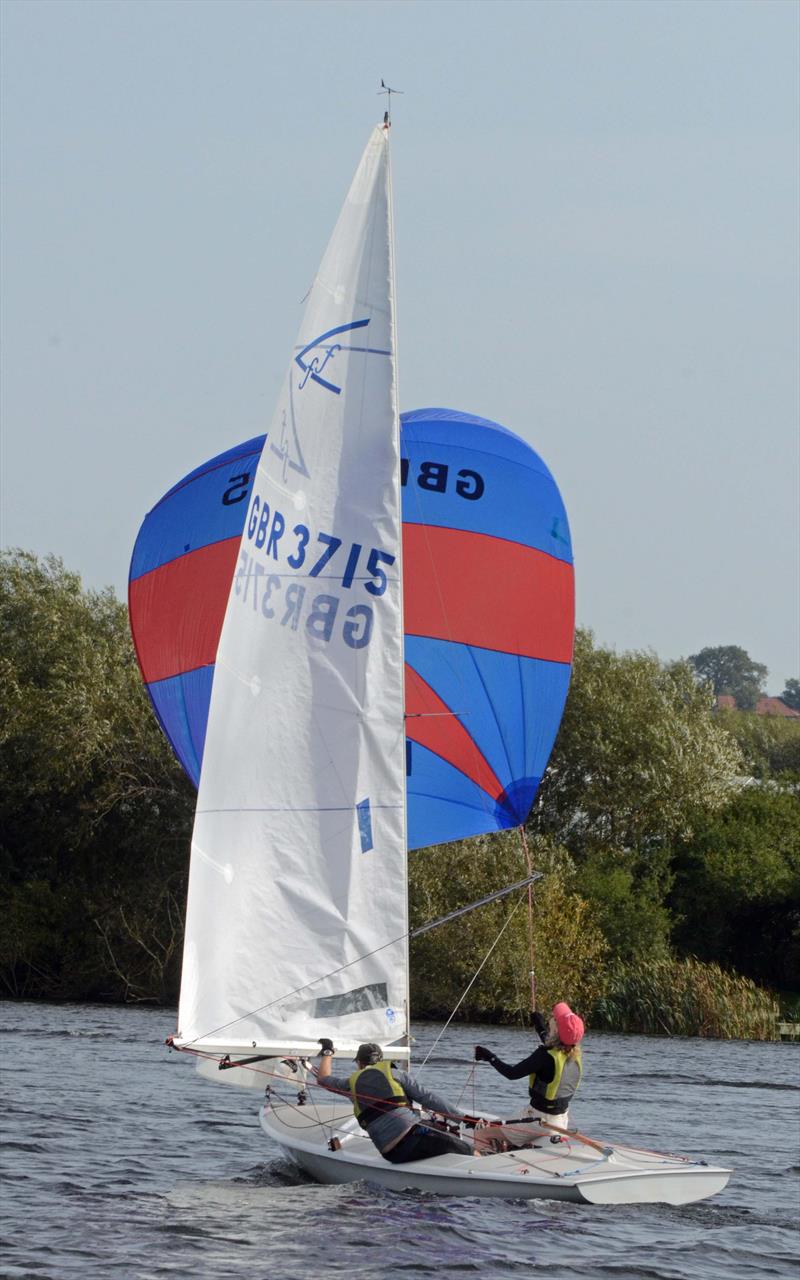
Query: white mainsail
x=297, y=909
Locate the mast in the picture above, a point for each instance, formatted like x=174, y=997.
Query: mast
x=387, y=124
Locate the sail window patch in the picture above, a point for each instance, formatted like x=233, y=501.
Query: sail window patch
x=375, y=996
x=364, y=825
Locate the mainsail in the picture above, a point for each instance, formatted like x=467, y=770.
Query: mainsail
x=297, y=908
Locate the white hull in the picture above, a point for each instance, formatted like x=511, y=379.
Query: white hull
x=575, y=1171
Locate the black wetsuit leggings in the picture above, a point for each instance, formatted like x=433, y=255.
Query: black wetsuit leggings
x=421, y=1142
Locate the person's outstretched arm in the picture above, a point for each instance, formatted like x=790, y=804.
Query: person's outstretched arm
x=415, y=1091
x=538, y=1063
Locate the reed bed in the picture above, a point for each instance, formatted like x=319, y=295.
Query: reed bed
x=687, y=998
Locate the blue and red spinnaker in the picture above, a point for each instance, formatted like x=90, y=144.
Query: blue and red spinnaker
x=489, y=614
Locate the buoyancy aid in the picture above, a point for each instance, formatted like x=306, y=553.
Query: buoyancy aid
x=554, y=1098
x=379, y=1092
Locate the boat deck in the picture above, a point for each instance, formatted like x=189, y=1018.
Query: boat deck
x=576, y=1169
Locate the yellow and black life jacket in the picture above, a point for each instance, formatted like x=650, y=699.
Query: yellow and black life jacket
x=554, y=1098
x=375, y=1092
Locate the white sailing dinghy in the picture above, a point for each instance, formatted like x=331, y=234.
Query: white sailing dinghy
x=297, y=913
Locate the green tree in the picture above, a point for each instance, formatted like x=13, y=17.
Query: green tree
x=791, y=694
x=568, y=946
x=638, y=755
x=95, y=814
x=628, y=898
x=736, y=894
x=770, y=745
x=730, y=670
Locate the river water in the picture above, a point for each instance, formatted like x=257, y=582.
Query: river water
x=122, y=1162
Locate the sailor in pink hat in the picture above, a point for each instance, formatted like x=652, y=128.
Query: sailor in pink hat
x=554, y=1072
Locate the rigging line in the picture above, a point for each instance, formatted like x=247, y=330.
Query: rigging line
x=479, y=902
x=327, y=1127
x=531, y=948
x=331, y=1125
x=320, y=1122
x=430, y=715
x=472, y=982
x=410, y=933
x=456, y=1116
x=309, y=1082
x=315, y=1124
x=470, y=1080
x=517, y=1159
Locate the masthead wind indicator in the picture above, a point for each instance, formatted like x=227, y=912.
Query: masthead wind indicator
x=386, y=91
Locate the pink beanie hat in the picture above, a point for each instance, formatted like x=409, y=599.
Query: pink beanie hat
x=570, y=1026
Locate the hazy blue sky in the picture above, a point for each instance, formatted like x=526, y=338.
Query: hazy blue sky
x=597, y=223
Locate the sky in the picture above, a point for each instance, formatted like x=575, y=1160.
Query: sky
x=596, y=209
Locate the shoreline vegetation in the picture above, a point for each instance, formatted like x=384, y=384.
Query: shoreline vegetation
x=668, y=832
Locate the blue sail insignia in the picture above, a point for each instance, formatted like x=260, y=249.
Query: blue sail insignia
x=312, y=369
x=364, y=825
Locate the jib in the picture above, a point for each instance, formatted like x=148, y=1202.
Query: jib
x=435, y=476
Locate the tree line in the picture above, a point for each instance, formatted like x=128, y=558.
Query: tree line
x=669, y=833
x=729, y=670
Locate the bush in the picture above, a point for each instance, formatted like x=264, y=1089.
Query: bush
x=686, y=998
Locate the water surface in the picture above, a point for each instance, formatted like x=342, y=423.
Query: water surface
x=120, y=1161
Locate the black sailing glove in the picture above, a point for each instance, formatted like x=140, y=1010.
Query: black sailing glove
x=482, y=1054
x=326, y=1048
x=539, y=1024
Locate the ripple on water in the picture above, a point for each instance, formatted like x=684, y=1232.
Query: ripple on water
x=713, y=1081
x=127, y=1165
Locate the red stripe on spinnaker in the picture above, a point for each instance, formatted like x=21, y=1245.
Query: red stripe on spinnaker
x=177, y=610
x=475, y=589
x=469, y=588
x=431, y=723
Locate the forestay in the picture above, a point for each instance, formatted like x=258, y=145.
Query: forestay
x=298, y=879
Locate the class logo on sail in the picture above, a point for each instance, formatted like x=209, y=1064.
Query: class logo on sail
x=314, y=367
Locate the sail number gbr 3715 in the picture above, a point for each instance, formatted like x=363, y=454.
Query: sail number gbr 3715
x=292, y=603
